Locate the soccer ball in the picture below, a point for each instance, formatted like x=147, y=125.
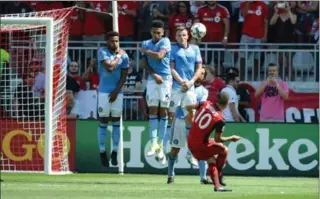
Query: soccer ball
x=198, y=30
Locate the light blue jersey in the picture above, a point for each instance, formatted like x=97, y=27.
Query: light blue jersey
x=110, y=80
x=185, y=60
x=161, y=67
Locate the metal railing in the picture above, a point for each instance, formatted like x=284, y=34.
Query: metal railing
x=297, y=62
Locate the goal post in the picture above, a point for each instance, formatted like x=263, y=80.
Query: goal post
x=44, y=35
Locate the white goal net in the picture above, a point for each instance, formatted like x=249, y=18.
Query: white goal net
x=33, y=69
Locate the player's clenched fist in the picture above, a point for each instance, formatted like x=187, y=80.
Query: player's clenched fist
x=158, y=78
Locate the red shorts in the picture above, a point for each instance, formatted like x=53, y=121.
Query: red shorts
x=207, y=150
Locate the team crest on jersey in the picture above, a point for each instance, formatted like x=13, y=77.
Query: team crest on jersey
x=175, y=141
x=171, y=103
x=189, y=24
x=217, y=18
x=100, y=109
x=258, y=12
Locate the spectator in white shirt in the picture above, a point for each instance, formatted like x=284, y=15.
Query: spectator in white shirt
x=231, y=113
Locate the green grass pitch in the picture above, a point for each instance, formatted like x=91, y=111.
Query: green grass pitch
x=134, y=186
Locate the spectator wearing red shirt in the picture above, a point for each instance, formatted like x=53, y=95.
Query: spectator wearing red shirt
x=73, y=72
x=182, y=18
x=216, y=19
x=47, y=5
x=77, y=26
x=213, y=84
x=91, y=74
x=127, y=12
x=254, y=29
x=94, y=27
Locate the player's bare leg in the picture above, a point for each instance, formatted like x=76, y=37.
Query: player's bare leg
x=213, y=171
x=153, y=125
x=171, y=162
x=162, y=133
x=189, y=157
x=102, y=134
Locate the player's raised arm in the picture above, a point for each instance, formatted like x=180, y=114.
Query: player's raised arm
x=165, y=45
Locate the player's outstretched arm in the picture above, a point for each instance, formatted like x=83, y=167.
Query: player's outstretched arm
x=219, y=127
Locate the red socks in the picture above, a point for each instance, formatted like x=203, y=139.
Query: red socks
x=213, y=172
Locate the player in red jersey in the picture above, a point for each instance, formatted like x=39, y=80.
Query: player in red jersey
x=207, y=119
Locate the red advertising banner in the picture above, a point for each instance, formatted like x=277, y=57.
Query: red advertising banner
x=22, y=146
x=299, y=107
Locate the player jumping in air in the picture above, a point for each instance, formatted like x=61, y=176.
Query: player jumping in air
x=113, y=63
x=185, y=62
x=178, y=134
x=207, y=119
x=156, y=58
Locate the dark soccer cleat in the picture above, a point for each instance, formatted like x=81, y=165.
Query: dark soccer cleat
x=205, y=181
x=222, y=182
x=114, y=158
x=170, y=180
x=222, y=189
x=104, y=159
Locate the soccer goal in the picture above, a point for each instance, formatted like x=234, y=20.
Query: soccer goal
x=32, y=92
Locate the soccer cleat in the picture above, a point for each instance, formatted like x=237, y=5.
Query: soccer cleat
x=170, y=180
x=104, y=159
x=154, y=147
x=205, y=181
x=191, y=159
x=161, y=156
x=221, y=180
x=114, y=158
x=222, y=189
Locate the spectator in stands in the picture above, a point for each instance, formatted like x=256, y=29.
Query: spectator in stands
x=212, y=83
x=47, y=5
x=16, y=7
x=195, y=6
x=254, y=29
x=273, y=92
x=73, y=70
x=94, y=24
x=231, y=113
x=132, y=85
x=72, y=105
x=127, y=13
x=28, y=105
x=307, y=12
x=282, y=22
x=182, y=18
x=243, y=94
x=72, y=85
x=77, y=16
x=216, y=19
x=91, y=74
x=148, y=12
x=40, y=78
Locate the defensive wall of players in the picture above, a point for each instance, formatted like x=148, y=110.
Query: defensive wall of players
x=267, y=149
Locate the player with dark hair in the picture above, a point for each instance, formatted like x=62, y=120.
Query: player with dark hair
x=113, y=63
x=156, y=59
x=208, y=118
